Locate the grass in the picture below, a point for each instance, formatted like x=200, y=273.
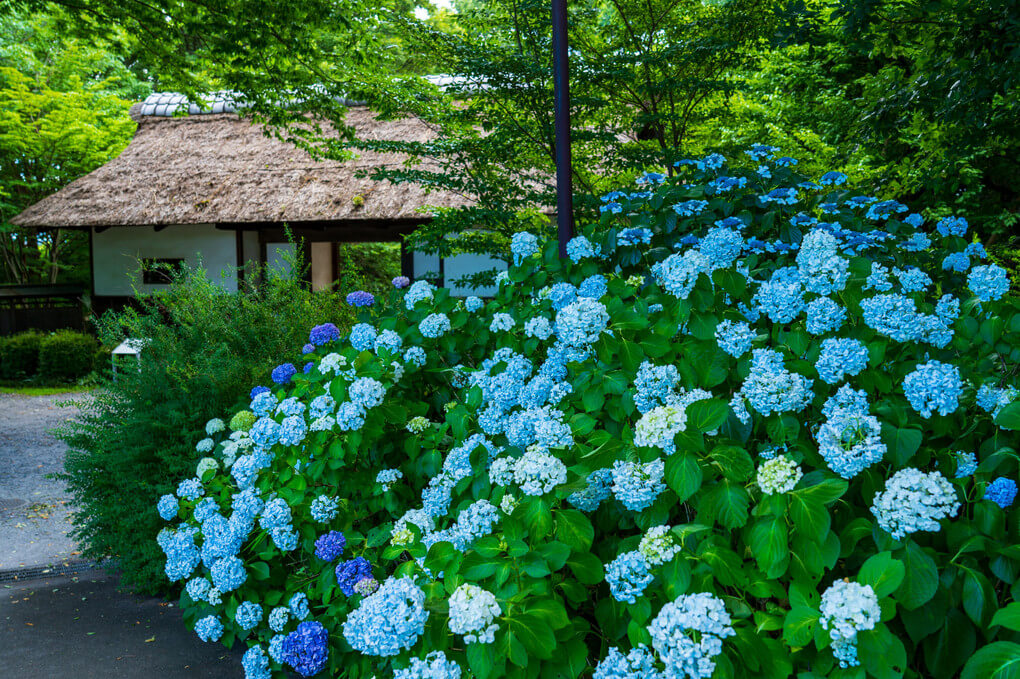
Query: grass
x=44, y=391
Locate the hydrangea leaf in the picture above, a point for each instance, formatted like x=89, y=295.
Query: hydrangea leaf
x=882, y=572
x=998, y=660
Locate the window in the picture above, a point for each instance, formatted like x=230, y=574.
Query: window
x=160, y=271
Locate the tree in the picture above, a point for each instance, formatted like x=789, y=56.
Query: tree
x=63, y=112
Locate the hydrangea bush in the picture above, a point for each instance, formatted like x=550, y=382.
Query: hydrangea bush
x=755, y=426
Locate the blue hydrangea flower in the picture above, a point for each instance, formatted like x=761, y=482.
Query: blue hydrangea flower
x=190, y=489
x=298, y=605
x=593, y=287
x=256, y=391
x=832, y=178
x=255, y=664
x=228, y=574
x=914, y=501
x=934, y=386
x=966, y=464
x=209, y=628
x=473, y=304
x=306, y=649
x=434, y=666
x=771, y=388
x=388, y=621
x=401, y=282
x=324, y=334
x=360, y=298
x=324, y=508
x=956, y=261
x=363, y=336
x=582, y=322
x=282, y=373
x=248, y=615
x=501, y=322
x=637, y=485
x=988, y=283
x=538, y=327
x=639, y=663
x=350, y=572
x=278, y=618
x=637, y=236
x=388, y=340
x=420, y=291
x=579, y=248
x=167, y=507
x=628, y=576
x=824, y=315
x=330, y=545
x=677, y=274
x=690, y=208
x=415, y=356
x=522, y=245
x=367, y=392
x=1001, y=491
x=952, y=226
x=918, y=242
x=434, y=326
x=840, y=357
x=734, y=338
x=688, y=633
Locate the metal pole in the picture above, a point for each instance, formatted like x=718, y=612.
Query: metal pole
x=561, y=95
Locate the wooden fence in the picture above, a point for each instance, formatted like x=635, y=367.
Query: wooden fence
x=40, y=307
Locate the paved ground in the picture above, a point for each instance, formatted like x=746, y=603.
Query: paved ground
x=83, y=628
x=34, y=512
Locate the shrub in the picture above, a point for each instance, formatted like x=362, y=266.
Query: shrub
x=66, y=355
x=19, y=355
x=752, y=427
x=136, y=437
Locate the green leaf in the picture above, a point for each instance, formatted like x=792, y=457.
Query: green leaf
x=881, y=653
x=536, y=515
x=1008, y=617
x=901, y=443
x=1009, y=417
x=998, y=660
x=551, y=612
x=810, y=516
x=782, y=428
x=536, y=636
x=481, y=658
x=978, y=597
x=799, y=624
x=260, y=570
x=574, y=529
x=707, y=415
x=727, y=503
x=683, y=475
x=826, y=492
x=631, y=356
x=920, y=577
x=882, y=572
x=735, y=463
x=586, y=567
x=769, y=544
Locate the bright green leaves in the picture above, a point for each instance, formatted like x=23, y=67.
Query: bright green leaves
x=810, y=517
x=998, y=660
x=534, y=634
x=727, y=503
x=920, y=577
x=901, y=443
x=574, y=529
x=683, y=475
x=881, y=653
x=799, y=626
x=769, y=543
x=883, y=573
x=1009, y=417
x=734, y=462
x=1008, y=617
x=536, y=514
x=707, y=415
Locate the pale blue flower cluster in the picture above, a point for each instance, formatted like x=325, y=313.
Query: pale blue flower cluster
x=599, y=488
x=434, y=666
x=435, y=326
x=688, y=634
x=841, y=357
x=581, y=323
x=415, y=356
x=850, y=440
x=501, y=322
x=934, y=386
x=734, y=338
x=771, y=388
x=824, y=315
x=209, y=628
x=628, y=576
x=363, y=337
x=255, y=663
x=420, y=291
x=639, y=663
x=167, y=507
x=248, y=615
x=966, y=464
x=388, y=621
x=988, y=283
x=848, y=608
x=473, y=611
x=678, y=273
x=637, y=485
x=579, y=248
x=913, y=501
x=228, y=574
x=324, y=508
x=366, y=392
x=522, y=245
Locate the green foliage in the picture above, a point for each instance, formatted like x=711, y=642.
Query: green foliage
x=19, y=355
x=135, y=438
x=942, y=593
x=66, y=356
x=63, y=112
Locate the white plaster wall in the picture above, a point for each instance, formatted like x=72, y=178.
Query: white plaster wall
x=279, y=257
x=117, y=251
x=464, y=265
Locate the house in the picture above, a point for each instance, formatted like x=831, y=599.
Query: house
x=208, y=186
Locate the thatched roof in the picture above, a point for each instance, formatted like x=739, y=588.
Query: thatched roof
x=219, y=168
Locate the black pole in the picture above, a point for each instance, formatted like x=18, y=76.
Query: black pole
x=561, y=95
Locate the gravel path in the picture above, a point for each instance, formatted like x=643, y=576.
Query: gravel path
x=35, y=516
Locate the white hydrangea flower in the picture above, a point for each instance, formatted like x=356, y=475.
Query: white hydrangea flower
x=657, y=546
x=537, y=472
x=418, y=424
x=508, y=503
x=214, y=426
x=501, y=471
x=914, y=500
x=332, y=363
x=658, y=426
x=778, y=475
x=472, y=613
x=848, y=608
